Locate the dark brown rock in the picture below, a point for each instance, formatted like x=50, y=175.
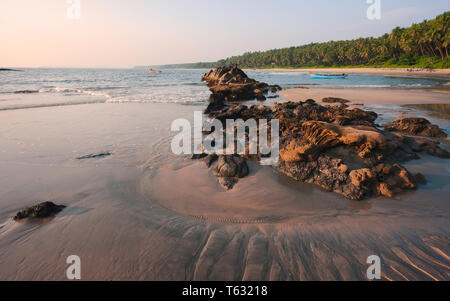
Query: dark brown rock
x=199, y=156
x=335, y=100
x=228, y=183
x=233, y=84
x=226, y=76
x=416, y=127
x=420, y=179
x=216, y=103
x=210, y=159
x=326, y=172
x=232, y=166
x=339, y=149
x=275, y=88
x=229, y=169
x=260, y=97
x=43, y=210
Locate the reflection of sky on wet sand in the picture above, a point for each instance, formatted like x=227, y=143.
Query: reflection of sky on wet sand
x=441, y=111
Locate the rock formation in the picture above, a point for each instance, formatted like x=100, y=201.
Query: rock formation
x=95, y=156
x=335, y=100
x=232, y=84
x=339, y=149
x=229, y=169
x=43, y=210
x=416, y=127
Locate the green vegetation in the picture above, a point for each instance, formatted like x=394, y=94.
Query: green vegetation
x=421, y=45
x=200, y=65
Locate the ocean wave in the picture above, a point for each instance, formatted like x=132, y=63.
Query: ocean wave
x=186, y=101
x=75, y=91
x=101, y=88
x=20, y=92
x=194, y=84
x=26, y=91
x=414, y=85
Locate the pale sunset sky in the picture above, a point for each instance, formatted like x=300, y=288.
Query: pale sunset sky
x=127, y=33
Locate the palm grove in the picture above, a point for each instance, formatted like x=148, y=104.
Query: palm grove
x=423, y=45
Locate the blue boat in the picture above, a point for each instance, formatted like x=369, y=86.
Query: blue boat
x=328, y=76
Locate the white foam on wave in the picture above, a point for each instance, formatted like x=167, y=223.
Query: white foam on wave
x=75, y=91
x=414, y=85
x=199, y=98
x=193, y=101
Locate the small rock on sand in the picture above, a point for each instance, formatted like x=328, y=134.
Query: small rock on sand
x=43, y=210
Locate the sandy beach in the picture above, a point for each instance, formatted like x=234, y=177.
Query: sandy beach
x=444, y=73
x=144, y=214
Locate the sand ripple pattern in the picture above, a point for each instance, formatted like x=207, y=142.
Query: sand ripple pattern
x=240, y=220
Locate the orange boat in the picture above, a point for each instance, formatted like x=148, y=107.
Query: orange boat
x=153, y=71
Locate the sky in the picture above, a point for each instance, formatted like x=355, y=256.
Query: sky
x=127, y=33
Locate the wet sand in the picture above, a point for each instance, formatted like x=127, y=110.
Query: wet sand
x=145, y=214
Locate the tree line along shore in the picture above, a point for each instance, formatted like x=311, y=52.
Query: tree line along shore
x=423, y=45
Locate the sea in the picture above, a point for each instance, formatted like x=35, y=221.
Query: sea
x=43, y=87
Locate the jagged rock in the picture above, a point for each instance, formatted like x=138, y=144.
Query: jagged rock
x=238, y=92
x=229, y=169
x=385, y=190
x=243, y=112
x=199, y=156
x=95, y=156
x=260, y=97
x=43, y=210
x=396, y=176
x=210, y=159
x=339, y=149
x=305, y=142
x=315, y=137
x=299, y=150
x=226, y=76
x=332, y=175
x=420, y=179
x=26, y=91
x=427, y=145
x=233, y=84
x=275, y=88
x=216, y=103
x=290, y=112
x=335, y=100
x=359, y=176
x=326, y=172
x=228, y=183
x=416, y=127
x=231, y=166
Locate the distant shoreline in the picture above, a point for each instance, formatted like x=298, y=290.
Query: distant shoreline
x=443, y=73
x=7, y=69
